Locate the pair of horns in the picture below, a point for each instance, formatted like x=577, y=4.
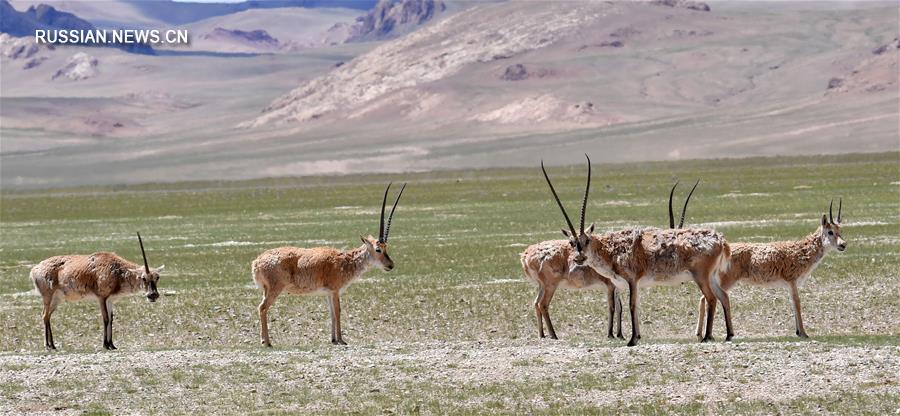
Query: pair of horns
x=840, y=205
x=382, y=230
x=143, y=253
x=587, y=189
x=684, y=209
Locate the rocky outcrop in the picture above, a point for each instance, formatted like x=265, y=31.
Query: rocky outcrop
x=18, y=48
x=892, y=46
x=24, y=48
x=78, y=67
x=519, y=72
x=687, y=4
x=390, y=18
x=254, y=39
x=515, y=72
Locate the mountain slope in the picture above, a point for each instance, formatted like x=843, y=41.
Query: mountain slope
x=475, y=35
x=503, y=84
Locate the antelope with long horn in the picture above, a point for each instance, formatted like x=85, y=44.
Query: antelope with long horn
x=322, y=270
x=784, y=264
x=101, y=276
x=549, y=265
x=652, y=256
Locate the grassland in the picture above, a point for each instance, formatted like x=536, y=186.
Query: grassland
x=451, y=329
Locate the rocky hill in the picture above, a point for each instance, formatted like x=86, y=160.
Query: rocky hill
x=392, y=18
x=41, y=16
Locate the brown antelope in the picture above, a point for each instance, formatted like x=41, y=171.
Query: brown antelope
x=652, y=256
x=101, y=276
x=548, y=264
x=784, y=264
x=321, y=270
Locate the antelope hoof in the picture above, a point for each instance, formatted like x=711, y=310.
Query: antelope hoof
x=266, y=344
x=553, y=336
x=632, y=342
x=338, y=342
x=729, y=337
x=112, y=347
x=611, y=336
x=708, y=339
x=802, y=335
x=51, y=347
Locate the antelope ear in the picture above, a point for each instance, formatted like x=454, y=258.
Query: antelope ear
x=565, y=233
x=824, y=220
x=590, y=229
x=160, y=268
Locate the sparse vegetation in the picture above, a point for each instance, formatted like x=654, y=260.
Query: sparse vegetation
x=451, y=329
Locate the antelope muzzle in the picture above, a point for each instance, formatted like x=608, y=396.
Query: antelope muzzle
x=153, y=295
x=579, y=259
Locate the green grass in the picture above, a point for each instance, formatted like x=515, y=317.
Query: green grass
x=456, y=238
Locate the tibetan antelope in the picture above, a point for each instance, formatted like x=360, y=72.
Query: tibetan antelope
x=321, y=270
x=784, y=264
x=652, y=256
x=548, y=264
x=101, y=276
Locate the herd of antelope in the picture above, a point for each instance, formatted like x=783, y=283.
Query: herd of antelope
x=614, y=260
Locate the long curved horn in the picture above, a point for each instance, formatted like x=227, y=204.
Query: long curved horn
x=671, y=216
x=830, y=217
x=387, y=230
x=556, y=197
x=684, y=209
x=381, y=224
x=840, y=205
x=586, y=190
x=144, y=254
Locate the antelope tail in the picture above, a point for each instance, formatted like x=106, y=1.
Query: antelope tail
x=723, y=262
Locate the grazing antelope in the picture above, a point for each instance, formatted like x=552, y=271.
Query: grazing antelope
x=321, y=270
x=783, y=264
x=652, y=256
x=548, y=265
x=101, y=276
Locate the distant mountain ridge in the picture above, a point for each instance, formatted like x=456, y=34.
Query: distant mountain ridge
x=177, y=13
x=42, y=16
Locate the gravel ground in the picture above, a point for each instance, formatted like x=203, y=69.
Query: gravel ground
x=482, y=372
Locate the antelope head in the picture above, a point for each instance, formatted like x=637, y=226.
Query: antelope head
x=377, y=248
x=831, y=229
x=580, y=240
x=149, y=277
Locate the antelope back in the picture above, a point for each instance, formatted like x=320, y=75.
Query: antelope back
x=676, y=251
